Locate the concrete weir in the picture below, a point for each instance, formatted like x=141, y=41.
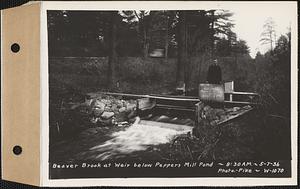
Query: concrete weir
x=176, y=127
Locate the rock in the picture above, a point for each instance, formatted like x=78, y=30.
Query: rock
x=114, y=108
x=106, y=102
x=123, y=124
x=163, y=118
x=97, y=104
x=227, y=110
x=247, y=107
x=132, y=114
x=220, y=112
x=119, y=104
x=97, y=112
x=107, y=115
x=108, y=122
x=214, y=122
x=94, y=120
x=236, y=109
x=97, y=107
x=120, y=117
x=132, y=120
x=130, y=106
x=188, y=122
x=123, y=109
x=175, y=119
x=206, y=108
x=223, y=117
x=107, y=109
x=210, y=114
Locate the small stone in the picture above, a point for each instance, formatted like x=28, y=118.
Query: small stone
x=130, y=106
x=94, y=120
x=214, y=123
x=97, y=107
x=119, y=104
x=107, y=115
x=236, y=109
x=123, y=124
x=132, y=120
x=107, y=109
x=97, y=112
x=114, y=108
x=132, y=114
x=123, y=109
x=206, y=108
x=121, y=116
x=163, y=118
x=106, y=102
x=223, y=117
x=97, y=104
x=220, y=112
x=108, y=122
x=247, y=107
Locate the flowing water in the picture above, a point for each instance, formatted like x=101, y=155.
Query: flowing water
x=135, y=138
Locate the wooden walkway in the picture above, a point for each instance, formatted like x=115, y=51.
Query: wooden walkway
x=179, y=98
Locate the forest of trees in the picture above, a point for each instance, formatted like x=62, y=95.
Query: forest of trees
x=188, y=40
x=179, y=34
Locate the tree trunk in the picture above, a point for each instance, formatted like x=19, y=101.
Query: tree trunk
x=167, y=39
x=271, y=41
x=112, y=52
x=187, y=58
x=212, y=33
x=146, y=45
x=182, y=49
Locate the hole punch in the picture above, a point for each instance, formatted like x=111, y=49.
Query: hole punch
x=15, y=47
x=17, y=150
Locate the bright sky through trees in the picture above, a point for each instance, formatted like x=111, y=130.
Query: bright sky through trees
x=249, y=21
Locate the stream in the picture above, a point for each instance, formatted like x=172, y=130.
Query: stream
x=135, y=138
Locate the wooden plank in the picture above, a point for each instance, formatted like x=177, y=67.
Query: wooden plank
x=175, y=107
x=239, y=102
x=174, y=98
x=242, y=93
x=124, y=94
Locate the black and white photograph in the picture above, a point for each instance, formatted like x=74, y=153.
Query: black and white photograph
x=204, y=92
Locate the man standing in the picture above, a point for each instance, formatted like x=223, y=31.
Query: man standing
x=214, y=75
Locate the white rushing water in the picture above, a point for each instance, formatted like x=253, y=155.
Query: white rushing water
x=135, y=138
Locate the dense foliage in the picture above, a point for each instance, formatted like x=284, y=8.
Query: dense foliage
x=81, y=33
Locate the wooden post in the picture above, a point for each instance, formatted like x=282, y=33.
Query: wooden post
x=232, y=88
x=182, y=49
x=198, y=113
